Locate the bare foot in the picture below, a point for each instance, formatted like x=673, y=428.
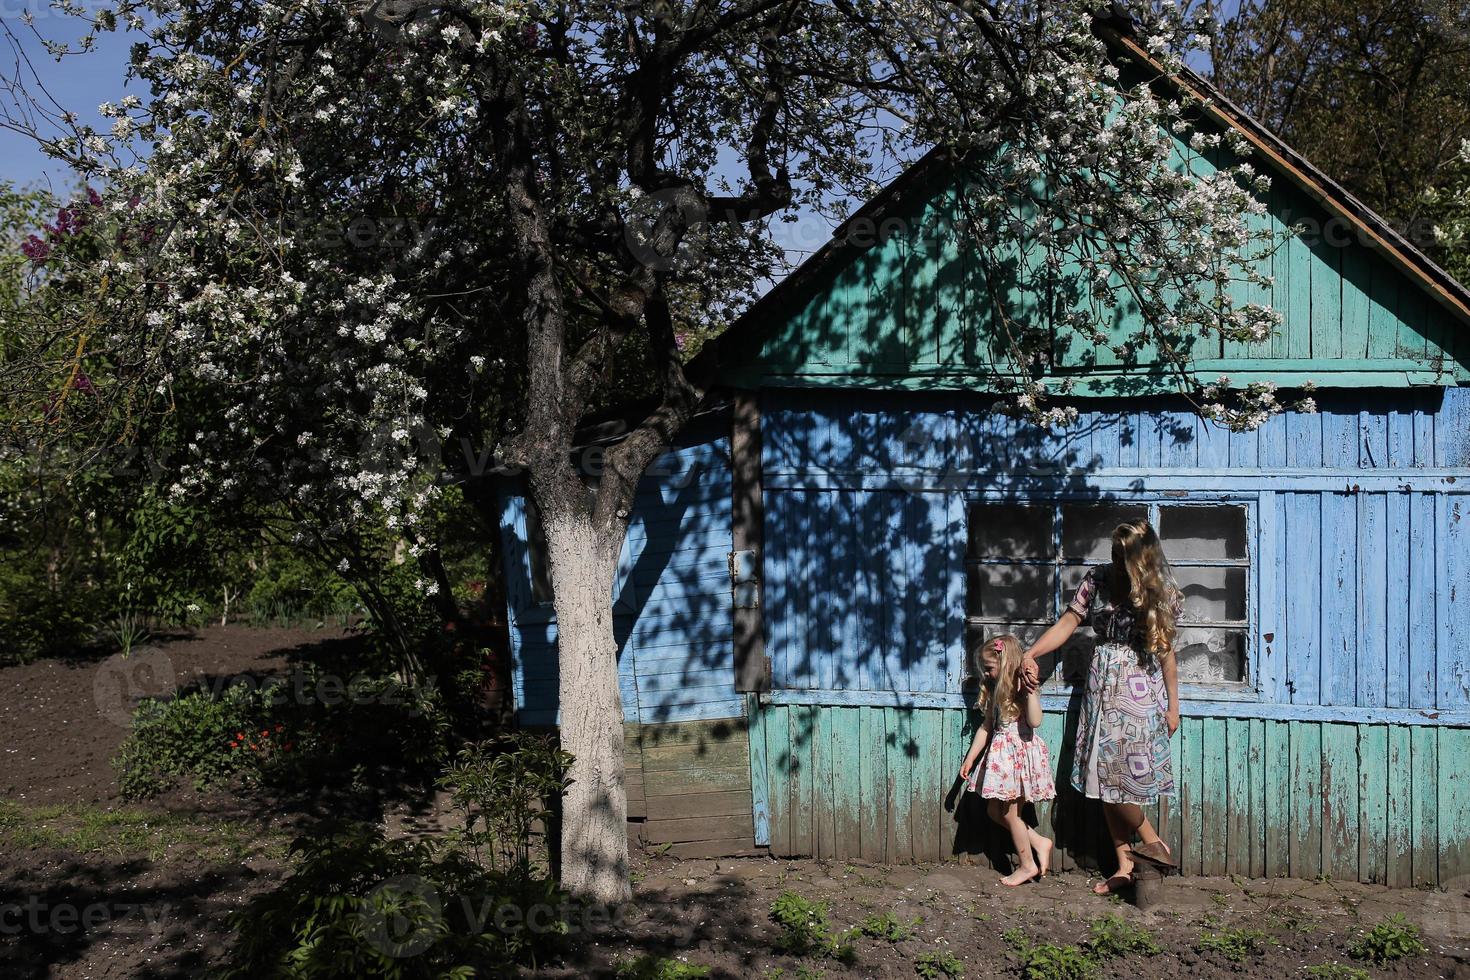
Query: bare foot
x=1043, y=856
x=1114, y=884
x=1020, y=876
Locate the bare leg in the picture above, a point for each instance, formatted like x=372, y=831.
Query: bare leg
x=1121, y=832
x=1041, y=844
x=1021, y=840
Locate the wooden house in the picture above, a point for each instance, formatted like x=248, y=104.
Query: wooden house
x=805, y=571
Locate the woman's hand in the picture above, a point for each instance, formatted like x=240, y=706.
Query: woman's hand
x=1030, y=674
x=966, y=766
x=1171, y=718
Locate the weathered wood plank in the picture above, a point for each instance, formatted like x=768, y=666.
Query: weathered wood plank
x=850, y=805
x=1278, y=798
x=1424, y=808
x=897, y=734
x=1424, y=553
x=1398, y=631
x=778, y=766
x=1400, y=773
x=721, y=803
x=1214, y=799
x=1452, y=686
x=873, y=778
x=1372, y=803
x=1257, y=762
x=694, y=779
x=1340, y=804
x=1192, y=857
x=824, y=762
x=733, y=826
x=1306, y=799
x=803, y=784
x=1454, y=803
x=760, y=786
x=710, y=755
x=1238, y=773
x=699, y=850
x=1372, y=595
x=1304, y=597
x=1337, y=598
x=926, y=794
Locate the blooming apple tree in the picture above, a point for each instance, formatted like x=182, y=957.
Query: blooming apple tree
x=382, y=232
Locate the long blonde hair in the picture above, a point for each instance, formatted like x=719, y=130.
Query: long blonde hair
x=1151, y=589
x=1002, y=696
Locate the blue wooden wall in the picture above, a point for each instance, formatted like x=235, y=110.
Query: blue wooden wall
x=1359, y=519
x=671, y=599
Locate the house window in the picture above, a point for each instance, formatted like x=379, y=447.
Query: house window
x=1025, y=560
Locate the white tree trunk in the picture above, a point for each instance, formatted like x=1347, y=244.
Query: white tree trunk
x=594, y=844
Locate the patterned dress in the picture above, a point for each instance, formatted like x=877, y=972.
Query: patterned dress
x=1016, y=766
x=1122, y=737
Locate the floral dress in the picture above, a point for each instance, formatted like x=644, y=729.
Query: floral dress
x=1122, y=737
x=1016, y=766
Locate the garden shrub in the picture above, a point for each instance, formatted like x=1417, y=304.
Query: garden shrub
x=359, y=905
x=198, y=736
x=805, y=930
x=1392, y=939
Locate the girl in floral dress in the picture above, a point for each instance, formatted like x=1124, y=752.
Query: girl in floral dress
x=1132, y=706
x=1017, y=767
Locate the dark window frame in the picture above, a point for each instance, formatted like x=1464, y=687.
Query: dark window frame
x=1062, y=586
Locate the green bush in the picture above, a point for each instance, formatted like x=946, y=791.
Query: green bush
x=196, y=735
x=805, y=930
x=1337, y=971
x=888, y=928
x=936, y=965
x=1048, y=961
x=503, y=788
x=1392, y=939
x=358, y=905
x=1233, y=944
x=652, y=967
x=1112, y=935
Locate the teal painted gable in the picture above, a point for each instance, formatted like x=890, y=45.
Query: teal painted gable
x=911, y=301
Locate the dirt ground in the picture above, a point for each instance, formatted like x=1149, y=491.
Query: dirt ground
x=91, y=887
x=715, y=914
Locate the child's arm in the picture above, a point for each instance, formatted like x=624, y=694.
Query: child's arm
x=977, y=745
x=1033, y=709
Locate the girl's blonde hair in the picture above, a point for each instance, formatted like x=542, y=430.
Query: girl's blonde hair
x=1003, y=696
x=1151, y=589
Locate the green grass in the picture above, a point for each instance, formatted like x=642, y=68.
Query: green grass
x=129, y=833
x=888, y=928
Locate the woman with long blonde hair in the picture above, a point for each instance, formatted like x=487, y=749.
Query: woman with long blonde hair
x=1131, y=709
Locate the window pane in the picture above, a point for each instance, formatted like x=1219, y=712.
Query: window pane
x=1202, y=533
x=1211, y=655
x=1087, y=529
x=1010, y=531
x=1010, y=592
x=1212, y=594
